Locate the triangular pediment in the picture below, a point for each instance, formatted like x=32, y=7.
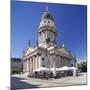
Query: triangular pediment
x=29, y=50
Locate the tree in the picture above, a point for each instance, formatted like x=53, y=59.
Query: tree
x=83, y=66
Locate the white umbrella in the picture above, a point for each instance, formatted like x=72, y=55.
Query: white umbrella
x=64, y=68
x=36, y=70
x=52, y=69
x=42, y=69
x=73, y=68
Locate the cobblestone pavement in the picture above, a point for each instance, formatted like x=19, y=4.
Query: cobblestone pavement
x=22, y=82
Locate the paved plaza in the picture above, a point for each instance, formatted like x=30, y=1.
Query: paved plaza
x=21, y=82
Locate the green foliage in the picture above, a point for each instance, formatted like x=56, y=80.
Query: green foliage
x=83, y=66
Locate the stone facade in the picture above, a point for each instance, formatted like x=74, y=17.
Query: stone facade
x=47, y=54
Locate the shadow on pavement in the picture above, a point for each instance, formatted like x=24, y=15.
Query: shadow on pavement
x=16, y=83
x=80, y=74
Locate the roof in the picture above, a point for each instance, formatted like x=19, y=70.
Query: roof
x=16, y=59
x=47, y=15
x=64, y=50
x=29, y=50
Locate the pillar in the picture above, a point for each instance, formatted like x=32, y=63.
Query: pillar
x=51, y=59
x=26, y=65
x=54, y=71
x=23, y=65
x=34, y=62
x=39, y=61
x=29, y=64
x=60, y=61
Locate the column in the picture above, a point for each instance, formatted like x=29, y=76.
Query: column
x=36, y=61
x=39, y=61
x=34, y=65
x=29, y=64
x=25, y=66
x=51, y=61
x=33, y=62
x=63, y=61
x=60, y=61
x=39, y=37
x=57, y=61
x=43, y=36
x=54, y=71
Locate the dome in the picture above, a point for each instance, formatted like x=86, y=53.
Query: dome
x=47, y=15
x=47, y=20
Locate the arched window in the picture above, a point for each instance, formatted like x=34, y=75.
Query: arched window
x=48, y=21
x=43, y=65
x=43, y=59
x=44, y=21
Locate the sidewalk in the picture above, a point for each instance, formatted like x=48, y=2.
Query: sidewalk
x=35, y=83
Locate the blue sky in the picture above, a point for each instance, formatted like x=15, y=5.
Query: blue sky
x=70, y=20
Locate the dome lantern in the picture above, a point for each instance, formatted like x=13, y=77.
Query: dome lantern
x=47, y=9
x=47, y=20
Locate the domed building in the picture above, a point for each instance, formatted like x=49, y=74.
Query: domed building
x=46, y=53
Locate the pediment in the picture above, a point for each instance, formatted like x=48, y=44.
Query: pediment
x=29, y=50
